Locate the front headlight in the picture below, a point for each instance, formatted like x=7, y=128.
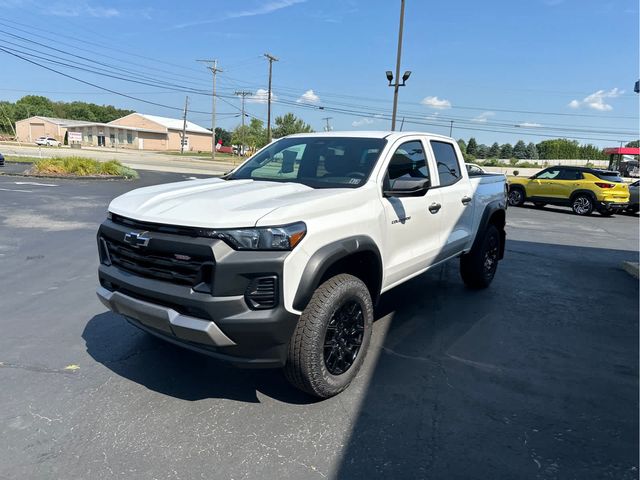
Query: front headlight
x=263, y=238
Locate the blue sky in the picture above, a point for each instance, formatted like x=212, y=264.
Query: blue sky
x=501, y=70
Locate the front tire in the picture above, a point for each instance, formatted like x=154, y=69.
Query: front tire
x=582, y=205
x=478, y=267
x=331, y=339
x=516, y=197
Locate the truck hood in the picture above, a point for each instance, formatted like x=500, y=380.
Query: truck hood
x=211, y=203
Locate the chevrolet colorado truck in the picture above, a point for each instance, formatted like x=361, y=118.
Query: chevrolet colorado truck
x=280, y=262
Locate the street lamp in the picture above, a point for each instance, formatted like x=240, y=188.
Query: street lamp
x=406, y=75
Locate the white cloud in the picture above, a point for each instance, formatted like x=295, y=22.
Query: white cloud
x=80, y=9
x=482, y=118
x=362, y=121
x=309, y=97
x=596, y=101
x=529, y=125
x=63, y=9
x=261, y=96
x=435, y=102
x=264, y=9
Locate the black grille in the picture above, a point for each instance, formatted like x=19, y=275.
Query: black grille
x=161, y=265
x=262, y=293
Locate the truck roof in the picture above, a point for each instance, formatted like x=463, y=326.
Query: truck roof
x=369, y=134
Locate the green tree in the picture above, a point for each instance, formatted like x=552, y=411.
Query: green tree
x=532, y=151
x=494, y=151
x=288, y=124
x=472, y=147
x=633, y=144
x=463, y=145
x=506, y=151
x=559, y=148
x=520, y=150
x=482, y=151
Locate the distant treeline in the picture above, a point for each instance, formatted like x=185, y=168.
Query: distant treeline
x=558, y=148
x=35, y=105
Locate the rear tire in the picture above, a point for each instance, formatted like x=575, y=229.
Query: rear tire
x=331, y=339
x=478, y=267
x=582, y=205
x=516, y=197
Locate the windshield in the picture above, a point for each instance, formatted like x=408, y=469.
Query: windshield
x=319, y=162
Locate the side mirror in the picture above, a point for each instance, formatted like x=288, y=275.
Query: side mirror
x=415, y=187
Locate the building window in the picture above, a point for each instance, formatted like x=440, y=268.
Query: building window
x=120, y=137
x=129, y=138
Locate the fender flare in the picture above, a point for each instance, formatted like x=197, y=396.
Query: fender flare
x=327, y=256
x=489, y=210
x=583, y=191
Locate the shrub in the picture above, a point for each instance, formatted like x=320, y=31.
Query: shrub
x=513, y=162
x=516, y=173
x=80, y=166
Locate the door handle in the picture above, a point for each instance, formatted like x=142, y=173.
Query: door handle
x=466, y=200
x=434, y=207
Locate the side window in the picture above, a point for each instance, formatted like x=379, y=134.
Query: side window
x=408, y=162
x=570, y=174
x=552, y=173
x=447, y=162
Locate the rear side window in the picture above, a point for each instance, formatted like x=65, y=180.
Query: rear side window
x=570, y=174
x=447, y=162
x=608, y=176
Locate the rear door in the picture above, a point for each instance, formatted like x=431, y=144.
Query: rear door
x=457, y=198
x=568, y=181
x=412, y=233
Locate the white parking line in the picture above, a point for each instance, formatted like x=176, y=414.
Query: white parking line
x=15, y=190
x=37, y=184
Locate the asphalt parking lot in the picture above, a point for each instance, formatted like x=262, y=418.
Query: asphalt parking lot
x=536, y=377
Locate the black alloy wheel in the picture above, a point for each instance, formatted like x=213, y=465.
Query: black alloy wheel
x=344, y=336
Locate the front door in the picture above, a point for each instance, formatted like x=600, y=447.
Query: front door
x=101, y=141
x=412, y=237
x=544, y=184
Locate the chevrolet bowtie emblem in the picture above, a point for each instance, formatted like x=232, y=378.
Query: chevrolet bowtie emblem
x=136, y=239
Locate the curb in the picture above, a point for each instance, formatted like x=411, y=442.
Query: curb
x=631, y=268
x=68, y=177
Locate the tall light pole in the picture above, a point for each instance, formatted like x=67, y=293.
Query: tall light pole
x=405, y=77
x=213, y=66
x=271, y=59
x=328, y=127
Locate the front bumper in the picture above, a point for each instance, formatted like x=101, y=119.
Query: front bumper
x=217, y=320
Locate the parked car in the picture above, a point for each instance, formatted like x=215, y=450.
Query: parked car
x=1, y=160
x=280, y=262
x=581, y=188
x=634, y=206
x=474, y=169
x=47, y=141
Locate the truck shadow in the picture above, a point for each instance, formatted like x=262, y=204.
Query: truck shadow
x=178, y=372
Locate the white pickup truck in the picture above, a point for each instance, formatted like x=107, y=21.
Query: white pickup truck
x=280, y=262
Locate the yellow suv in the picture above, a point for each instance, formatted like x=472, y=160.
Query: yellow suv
x=581, y=188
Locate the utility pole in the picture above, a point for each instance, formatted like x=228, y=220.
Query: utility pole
x=242, y=94
x=213, y=66
x=184, y=124
x=397, y=85
x=402, y=124
x=271, y=59
x=451, y=128
x=328, y=127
